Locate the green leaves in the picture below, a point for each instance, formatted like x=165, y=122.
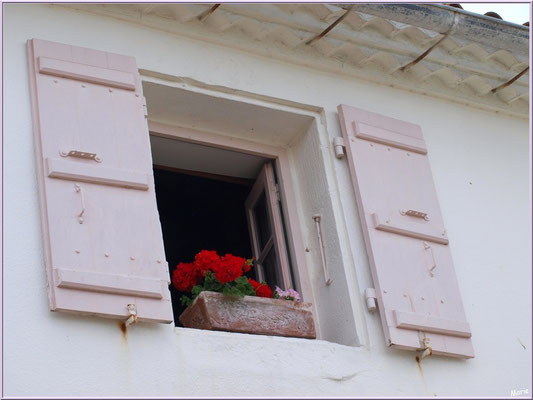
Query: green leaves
x=239, y=287
x=211, y=283
x=185, y=300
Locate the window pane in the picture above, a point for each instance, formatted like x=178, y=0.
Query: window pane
x=271, y=270
x=261, y=221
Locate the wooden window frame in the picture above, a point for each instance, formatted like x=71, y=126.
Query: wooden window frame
x=266, y=184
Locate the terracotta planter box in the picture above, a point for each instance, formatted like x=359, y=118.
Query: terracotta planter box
x=257, y=315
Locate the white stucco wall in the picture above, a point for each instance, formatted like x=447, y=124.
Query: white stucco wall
x=480, y=166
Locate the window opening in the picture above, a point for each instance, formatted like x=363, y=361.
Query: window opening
x=199, y=210
x=196, y=213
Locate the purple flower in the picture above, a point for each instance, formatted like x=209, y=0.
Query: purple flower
x=293, y=293
x=289, y=294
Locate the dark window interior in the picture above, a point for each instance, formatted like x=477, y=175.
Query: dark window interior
x=200, y=213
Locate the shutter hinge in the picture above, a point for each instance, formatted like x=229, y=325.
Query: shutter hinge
x=145, y=108
x=427, y=348
x=370, y=296
x=338, y=144
x=132, y=311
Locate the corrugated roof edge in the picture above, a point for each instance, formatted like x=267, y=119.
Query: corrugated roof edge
x=440, y=18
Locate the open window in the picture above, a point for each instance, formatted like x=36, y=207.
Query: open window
x=266, y=230
x=215, y=199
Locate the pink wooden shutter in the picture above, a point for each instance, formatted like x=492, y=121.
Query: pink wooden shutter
x=414, y=277
x=103, y=241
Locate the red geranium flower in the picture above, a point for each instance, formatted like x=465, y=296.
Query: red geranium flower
x=185, y=276
x=206, y=260
x=261, y=289
x=248, y=265
x=226, y=269
x=229, y=268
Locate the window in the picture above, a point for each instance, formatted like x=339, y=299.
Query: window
x=222, y=200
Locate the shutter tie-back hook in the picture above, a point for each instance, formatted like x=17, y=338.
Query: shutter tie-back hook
x=433, y=263
x=132, y=309
x=80, y=215
x=427, y=348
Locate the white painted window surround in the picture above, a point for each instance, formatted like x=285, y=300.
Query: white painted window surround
x=294, y=138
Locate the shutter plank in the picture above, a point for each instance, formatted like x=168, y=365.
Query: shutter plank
x=86, y=73
x=420, y=322
x=391, y=138
x=109, y=283
x=76, y=171
x=410, y=228
x=91, y=101
x=416, y=286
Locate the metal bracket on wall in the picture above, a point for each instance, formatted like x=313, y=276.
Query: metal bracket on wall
x=327, y=279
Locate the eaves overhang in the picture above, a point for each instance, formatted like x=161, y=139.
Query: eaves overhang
x=466, y=25
x=428, y=49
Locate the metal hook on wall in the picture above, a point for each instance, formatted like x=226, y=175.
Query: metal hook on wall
x=327, y=279
x=80, y=215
